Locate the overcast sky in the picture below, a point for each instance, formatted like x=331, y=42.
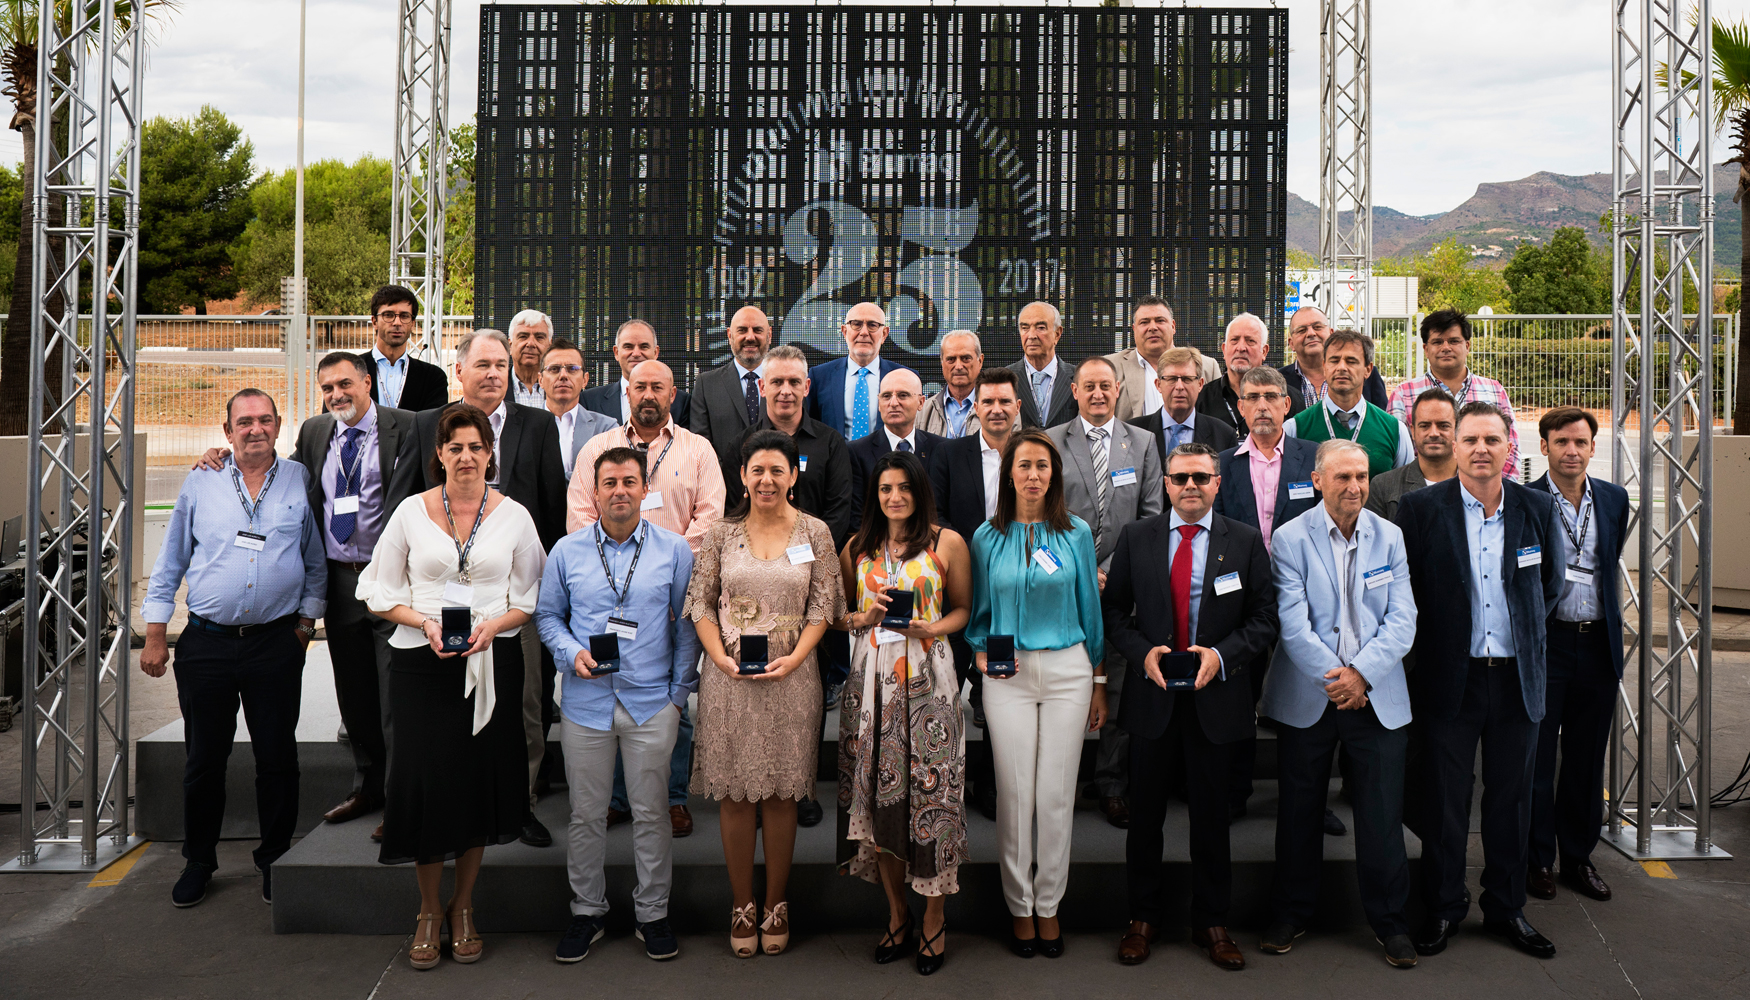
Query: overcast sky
x=1465, y=91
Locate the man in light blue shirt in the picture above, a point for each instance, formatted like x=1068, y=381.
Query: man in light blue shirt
x=1491, y=630
x=622, y=577
x=245, y=538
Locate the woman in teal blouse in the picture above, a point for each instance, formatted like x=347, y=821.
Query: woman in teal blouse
x=1035, y=579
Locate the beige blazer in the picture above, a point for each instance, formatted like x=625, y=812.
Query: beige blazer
x=933, y=420
x=1131, y=380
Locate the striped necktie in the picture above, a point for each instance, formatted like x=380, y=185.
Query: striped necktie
x=1097, y=444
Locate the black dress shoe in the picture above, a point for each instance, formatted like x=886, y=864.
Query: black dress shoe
x=1333, y=826
x=1540, y=882
x=1399, y=952
x=809, y=813
x=1051, y=947
x=893, y=944
x=1522, y=936
x=534, y=833
x=1584, y=879
x=1434, y=935
x=1023, y=948
x=1117, y=811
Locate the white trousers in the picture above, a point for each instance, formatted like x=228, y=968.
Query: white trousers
x=589, y=770
x=1035, y=723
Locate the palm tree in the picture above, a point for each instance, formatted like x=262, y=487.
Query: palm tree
x=1732, y=104
x=18, y=67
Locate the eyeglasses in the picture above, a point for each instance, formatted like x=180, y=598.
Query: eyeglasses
x=567, y=369
x=1262, y=397
x=1181, y=478
x=864, y=324
x=1180, y=379
x=402, y=317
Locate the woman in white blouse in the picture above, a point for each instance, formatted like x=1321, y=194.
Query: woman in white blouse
x=458, y=779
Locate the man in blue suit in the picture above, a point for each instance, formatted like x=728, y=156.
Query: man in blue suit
x=1484, y=559
x=1585, y=660
x=1347, y=618
x=844, y=393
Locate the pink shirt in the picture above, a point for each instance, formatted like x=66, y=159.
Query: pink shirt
x=1265, y=474
x=689, y=479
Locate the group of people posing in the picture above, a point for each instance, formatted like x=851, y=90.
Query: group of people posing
x=1142, y=546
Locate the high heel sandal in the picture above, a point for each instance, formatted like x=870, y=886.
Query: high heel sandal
x=771, y=941
x=462, y=932
x=743, y=946
x=893, y=944
x=424, y=956
x=930, y=960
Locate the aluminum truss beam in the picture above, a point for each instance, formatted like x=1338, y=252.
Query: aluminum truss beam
x=80, y=510
x=1661, y=405
x=421, y=164
x=1345, y=163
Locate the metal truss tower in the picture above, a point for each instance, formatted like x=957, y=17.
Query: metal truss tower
x=421, y=164
x=81, y=504
x=1345, y=163
x=1662, y=412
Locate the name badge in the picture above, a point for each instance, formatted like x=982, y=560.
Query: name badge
x=884, y=636
x=346, y=505
x=627, y=630
x=800, y=554
x=1227, y=583
x=1046, y=559
x=652, y=500
x=1531, y=555
x=1300, y=491
x=1123, y=477
x=458, y=594
x=1376, y=578
x=802, y=464
x=1578, y=574
x=251, y=540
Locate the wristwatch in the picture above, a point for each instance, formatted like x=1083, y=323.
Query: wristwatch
x=307, y=631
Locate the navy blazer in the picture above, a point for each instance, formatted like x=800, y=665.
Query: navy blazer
x=1240, y=625
x=1610, y=523
x=1236, y=499
x=957, y=481
x=867, y=450
x=605, y=399
x=1438, y=552
x=1205, y=429
x=826, y=391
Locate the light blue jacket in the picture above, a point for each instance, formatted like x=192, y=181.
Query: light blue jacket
x=1308, y=602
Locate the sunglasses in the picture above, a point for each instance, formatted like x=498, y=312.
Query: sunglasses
x=1181, y=478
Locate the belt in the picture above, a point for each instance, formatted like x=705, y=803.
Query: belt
x=356, y=567
x=1494, y=661
x=1581, y=627
x=240, y=631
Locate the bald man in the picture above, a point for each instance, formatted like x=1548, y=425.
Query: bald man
x=843, y=392
x=726, y=399
x=902, y=393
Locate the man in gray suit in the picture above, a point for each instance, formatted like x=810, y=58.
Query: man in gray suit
x=726, y=399
x=1431, y=421
x=361, y=458
x=950, y=413
x=1046, y=400
x=562, y=379
x=1111, y=477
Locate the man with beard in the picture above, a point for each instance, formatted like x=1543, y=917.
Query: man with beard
x=1431, y=418
x=726, y=399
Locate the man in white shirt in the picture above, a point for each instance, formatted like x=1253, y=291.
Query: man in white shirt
x=531, y=332
x=562, y=380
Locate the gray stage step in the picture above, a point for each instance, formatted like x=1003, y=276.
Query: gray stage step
x=331, y=881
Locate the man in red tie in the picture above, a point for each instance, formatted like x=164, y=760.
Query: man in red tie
x=1217, y=602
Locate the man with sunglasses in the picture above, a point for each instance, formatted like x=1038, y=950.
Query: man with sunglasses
x=563, y=379
x=401, y=381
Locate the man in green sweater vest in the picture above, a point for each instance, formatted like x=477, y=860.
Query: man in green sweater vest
x=1345, y=414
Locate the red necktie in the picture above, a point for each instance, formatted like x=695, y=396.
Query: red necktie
x=1181, y=583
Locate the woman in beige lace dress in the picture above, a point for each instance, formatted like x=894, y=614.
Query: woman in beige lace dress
x=767, y=570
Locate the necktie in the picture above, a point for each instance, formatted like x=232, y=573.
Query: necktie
x=1042, y=395
x=904, y=445
x=1097, y=444
x=752, y=397
x=1175, y=437
x=341, y=526
x=860, y=406
x=1181, y=584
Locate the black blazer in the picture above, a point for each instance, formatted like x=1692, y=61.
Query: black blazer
x=823, y=486
x=531, y=471
x=1372, y=390
x=605, y=399
x=1205, y=429
x=1240, y=625
x=1063, y=401
x=426, y=388
x=866, y=451
x=957, y=480
x=1236, y=499
x=1609, y=533
x=1220, y=400
x=397, y=458
x=1438, y=551
x=717, y=411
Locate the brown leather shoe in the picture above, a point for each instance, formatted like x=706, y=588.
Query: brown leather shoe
x=1133, y=946
x=617, y=816
x=1540, y=882
x=1584, y=880
x=356, y=805
x=1117, y=812
x=1221, y=949
x=377, y=834
x=682, y=820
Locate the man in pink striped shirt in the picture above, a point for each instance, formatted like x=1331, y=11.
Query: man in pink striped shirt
x=1446, y=344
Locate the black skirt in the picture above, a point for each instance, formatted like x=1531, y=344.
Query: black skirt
x=450, y=789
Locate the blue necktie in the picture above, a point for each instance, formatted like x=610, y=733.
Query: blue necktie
x=1175, y=437
x=1042, y=395
x=904, y=445
x=751, y=397
x=342, y=525
x=860, y=406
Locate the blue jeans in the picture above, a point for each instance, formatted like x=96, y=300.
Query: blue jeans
x=680, y=769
